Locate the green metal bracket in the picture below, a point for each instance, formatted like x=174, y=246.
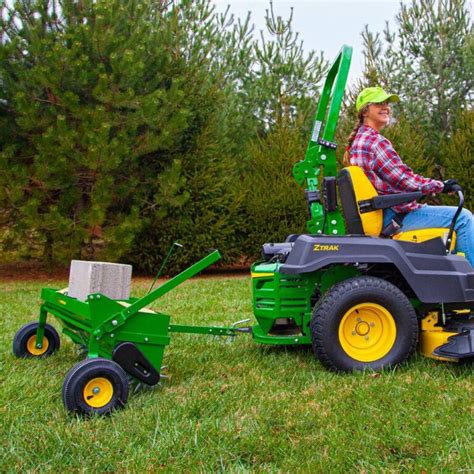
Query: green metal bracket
x=321, y=153
x=118, y=319
x=211, y=330
x=41, y=326
x=74, y=337
x=262, y=337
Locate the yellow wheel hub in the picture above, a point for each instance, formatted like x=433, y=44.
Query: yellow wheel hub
x=98, y=392
x=367, y=332
x=37, y=351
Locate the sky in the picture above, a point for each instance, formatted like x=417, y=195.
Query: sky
x=323, y=25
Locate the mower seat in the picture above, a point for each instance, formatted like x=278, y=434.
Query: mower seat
x=363, y=208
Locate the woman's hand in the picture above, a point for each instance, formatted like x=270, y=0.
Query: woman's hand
x=451, y=186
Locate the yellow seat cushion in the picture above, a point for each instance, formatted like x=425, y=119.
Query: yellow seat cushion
x=422, y=235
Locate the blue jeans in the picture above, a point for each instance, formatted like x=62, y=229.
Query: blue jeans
x=441, y=216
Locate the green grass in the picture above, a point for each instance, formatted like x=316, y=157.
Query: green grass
x=232, y=407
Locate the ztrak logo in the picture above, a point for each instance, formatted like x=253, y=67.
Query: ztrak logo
x=326, y=248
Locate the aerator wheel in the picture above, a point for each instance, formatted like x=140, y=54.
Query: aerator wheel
x=24, y=342
x=95, y=386
x=363, y=323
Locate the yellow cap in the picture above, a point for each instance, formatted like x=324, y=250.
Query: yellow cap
x=374, y=95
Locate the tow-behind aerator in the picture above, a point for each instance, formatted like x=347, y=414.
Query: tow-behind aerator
x=123, y=338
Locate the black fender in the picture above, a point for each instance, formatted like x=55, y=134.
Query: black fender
x=433, y=276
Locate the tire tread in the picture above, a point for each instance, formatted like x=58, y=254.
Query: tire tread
x=29, y=329
x=72, y=384
x=321, y=315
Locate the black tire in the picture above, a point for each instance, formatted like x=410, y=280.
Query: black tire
x=23, y=342
x=103, y=375
x=384, y=310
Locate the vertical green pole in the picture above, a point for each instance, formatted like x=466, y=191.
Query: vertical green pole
x=41, y=325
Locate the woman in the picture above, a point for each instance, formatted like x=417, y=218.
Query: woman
x=371, y=151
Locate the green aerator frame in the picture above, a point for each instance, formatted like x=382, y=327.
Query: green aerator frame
x=124, y=340
x=100, y=322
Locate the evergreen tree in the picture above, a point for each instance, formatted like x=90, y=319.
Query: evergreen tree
x=286, y=80
x=195, y=200
x=92, y=88
x=458, y=153
x=285, y=90
x=274, y=204
x=258, y=117
x=114, y=105
x=428, y=62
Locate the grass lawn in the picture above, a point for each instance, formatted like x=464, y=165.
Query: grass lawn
x=232, y=407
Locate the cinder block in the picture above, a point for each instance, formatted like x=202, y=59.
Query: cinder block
x=110, y=279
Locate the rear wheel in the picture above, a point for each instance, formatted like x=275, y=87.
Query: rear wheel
x=24, y=342
x=95, y=386
x=363, y=323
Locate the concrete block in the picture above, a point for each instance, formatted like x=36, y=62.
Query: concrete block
x=111, y=279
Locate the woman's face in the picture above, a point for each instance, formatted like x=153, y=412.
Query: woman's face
x=378, y=115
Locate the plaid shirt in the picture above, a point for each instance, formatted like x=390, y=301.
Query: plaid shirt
x=375, y=155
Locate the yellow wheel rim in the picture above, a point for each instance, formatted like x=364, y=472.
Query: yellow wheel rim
x=98, y=392
x=367, y=332
x=37, y=351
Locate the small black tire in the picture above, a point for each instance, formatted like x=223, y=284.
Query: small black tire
x=363, y=323
x=25, y=337
x=95, y=386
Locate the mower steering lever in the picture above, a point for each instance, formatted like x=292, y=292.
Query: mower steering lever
x=453, y=222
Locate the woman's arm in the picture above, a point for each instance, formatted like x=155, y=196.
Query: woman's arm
x=389, y=167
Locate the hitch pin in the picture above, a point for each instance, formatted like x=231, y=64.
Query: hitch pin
x=244, y=329
x=240, y=322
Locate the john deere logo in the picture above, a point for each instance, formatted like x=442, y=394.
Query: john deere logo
x=326, y=248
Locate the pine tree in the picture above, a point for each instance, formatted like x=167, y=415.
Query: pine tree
x=286, y=80
x=428, y=62
x=285, y=92
x=458, y=152
x=258, y=121
x=105, y=98
x=92, y=88
x=275, y=206
x=196, y=200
